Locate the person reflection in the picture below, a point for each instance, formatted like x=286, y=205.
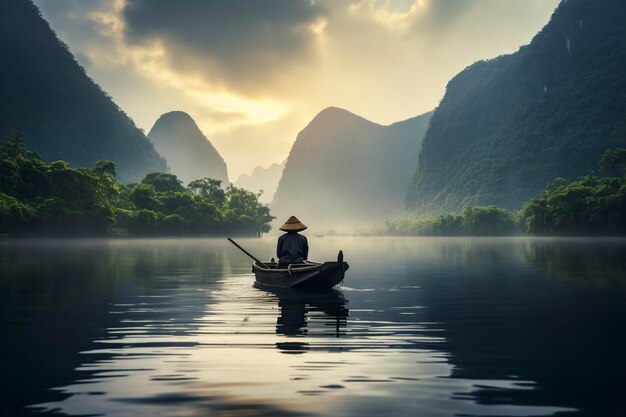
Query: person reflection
x=292, y=319
x=300, y=309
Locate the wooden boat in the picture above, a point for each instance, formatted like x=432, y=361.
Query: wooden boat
x=301, y=275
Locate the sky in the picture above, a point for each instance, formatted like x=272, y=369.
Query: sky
x=253, y=73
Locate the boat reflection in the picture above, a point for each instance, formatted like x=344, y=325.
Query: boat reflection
x=307, y=314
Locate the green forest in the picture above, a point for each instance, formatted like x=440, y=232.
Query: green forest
x=39, y=198
x=590, y=205
x=509, y=125
x=55, y=199
x=62, y=113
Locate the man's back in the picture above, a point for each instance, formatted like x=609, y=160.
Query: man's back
x=292, y=248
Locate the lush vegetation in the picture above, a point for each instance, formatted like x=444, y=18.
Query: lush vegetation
x=508, y=126
x=38, y=198
x=590, y=205
x=472, y=221
x=48, y=97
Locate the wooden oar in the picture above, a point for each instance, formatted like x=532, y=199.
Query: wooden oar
x=248, y=253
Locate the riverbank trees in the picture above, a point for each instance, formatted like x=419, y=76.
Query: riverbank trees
x=589, y=205
x=39, y=198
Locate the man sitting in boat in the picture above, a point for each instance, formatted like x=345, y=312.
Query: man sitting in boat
x=292, y=247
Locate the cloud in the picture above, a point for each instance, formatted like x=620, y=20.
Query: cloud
x=244, y=46
x=425, y=17
x=138, y=73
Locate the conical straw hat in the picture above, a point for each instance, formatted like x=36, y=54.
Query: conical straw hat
x=293, y=225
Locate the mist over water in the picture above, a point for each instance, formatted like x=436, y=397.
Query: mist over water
x=420, y=326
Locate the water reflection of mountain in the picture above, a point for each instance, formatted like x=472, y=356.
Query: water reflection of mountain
x=298, y=308
x=562, y=339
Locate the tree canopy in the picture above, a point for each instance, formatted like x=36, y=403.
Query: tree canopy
x=589, y=205
x=38, y=198
x=614, y=161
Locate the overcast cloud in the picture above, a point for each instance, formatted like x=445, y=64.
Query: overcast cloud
x=244, y=45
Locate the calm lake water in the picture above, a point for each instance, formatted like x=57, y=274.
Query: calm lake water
x=420, y=327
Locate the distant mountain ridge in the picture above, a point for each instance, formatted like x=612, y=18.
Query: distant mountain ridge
x=62, y=113
x=265, y=179
x=191, y=156
x=345, y=170
x=508, y=126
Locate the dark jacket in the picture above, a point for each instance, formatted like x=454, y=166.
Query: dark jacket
x=292, y=248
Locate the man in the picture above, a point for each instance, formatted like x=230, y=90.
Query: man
x=292, y=247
